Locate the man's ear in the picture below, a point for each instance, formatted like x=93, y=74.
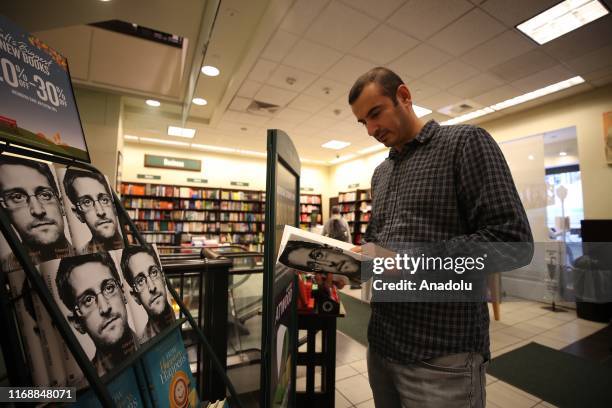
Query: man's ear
x=403, y=95
x=78, y=214
x=76, y=323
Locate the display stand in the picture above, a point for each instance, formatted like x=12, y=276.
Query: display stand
x=325, y=359
x=99, y=385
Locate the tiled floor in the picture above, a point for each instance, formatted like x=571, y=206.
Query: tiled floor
x=521, y=322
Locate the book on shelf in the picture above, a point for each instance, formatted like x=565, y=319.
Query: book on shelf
x=125, y=391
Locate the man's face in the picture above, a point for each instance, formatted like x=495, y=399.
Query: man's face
x=324, y=260
x=102, y=312
x=148, y=283
x=95, y=208
x=32, y=205
x=387, y=123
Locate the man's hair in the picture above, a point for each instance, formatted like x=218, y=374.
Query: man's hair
x=388, y=81
x=293, y=245
x=73, y=174
x=68, y=264
x=335, y=210
x=40, y=167
x=128, y=253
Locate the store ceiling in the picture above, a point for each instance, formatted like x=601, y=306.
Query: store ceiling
x=304, y=55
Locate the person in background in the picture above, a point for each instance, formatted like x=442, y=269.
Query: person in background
x=337, y=227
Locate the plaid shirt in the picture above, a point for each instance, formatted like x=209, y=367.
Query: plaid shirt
x=450, y=183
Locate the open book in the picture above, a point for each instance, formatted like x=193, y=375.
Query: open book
x=309, y=252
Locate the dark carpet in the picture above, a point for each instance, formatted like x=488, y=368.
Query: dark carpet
x=557, y=377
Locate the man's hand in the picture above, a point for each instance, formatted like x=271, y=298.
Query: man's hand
x=356, y=249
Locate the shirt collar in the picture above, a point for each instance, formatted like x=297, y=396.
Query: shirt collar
x=426, y=133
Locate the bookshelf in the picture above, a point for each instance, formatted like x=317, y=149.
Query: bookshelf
x=309, y=204
x=170, y=215
x=356, y=207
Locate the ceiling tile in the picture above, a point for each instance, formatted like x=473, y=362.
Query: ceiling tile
x=381, y=11
x=541, y=79
x=286, y=125
x=301, y=79
x=418, y=61
x=592, y=61
x=420, y=89
x=339, y=109
x=312, y=57
x=464, y=34
x=262, y=70
x=300, y=17
x=422, y=19
x=307, y=103
x=514, y=12
x=383, y=45
x=240, y=104
x=249, y=88
x=340, y=27
x=476, y=85
x=326, y=89
x=323, y=122
x=253, y=120
x=450, y=74
x=523, y=65
x=496, y=95
x=292, y=115
x=578, y=42
x=440, y=100
x=348, y=69
x=505, y=46
x=276, y=96
x=279, y=46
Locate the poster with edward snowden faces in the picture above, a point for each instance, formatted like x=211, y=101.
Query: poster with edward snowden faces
x=90, y=210
x=30, y=198
x=148, y=297
x=89, y=292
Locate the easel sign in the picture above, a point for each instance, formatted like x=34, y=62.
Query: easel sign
x=37, y=105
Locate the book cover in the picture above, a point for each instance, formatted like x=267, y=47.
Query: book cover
x=90, y=210
x=167, y=369
x=149, y=299
x=124, y=390
x=30, y=198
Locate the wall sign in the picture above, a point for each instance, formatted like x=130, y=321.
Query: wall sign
x=175, y=163
x=306, y=189
x=239, y=183
x=353, y=185
x=148, y=176
x=197, y=180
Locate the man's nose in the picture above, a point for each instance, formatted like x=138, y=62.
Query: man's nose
x=99, y=208
x=103, y=304
x=372, y=128
x=36, y=208
x=151, y=285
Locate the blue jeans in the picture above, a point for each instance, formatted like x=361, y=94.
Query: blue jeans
x=456, y=380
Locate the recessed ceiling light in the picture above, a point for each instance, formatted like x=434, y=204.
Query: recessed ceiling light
x=420, y=111
x=130, y=137
x=561, y=19
x=210, y=70
x=562, y=153
x=199, y=101
x=152, y=102
x=181, y=132
x=530, y=157
x=165, y=142
x=335, y=145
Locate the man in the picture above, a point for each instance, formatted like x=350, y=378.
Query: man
x=337, y=227
x=89, y=286
x=439, y=184
x=30, y=198
x=93, y=205
x=144, y=274
x=313, y=257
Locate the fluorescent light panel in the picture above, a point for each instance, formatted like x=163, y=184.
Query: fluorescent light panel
x=420, y=111
x=181, y=132
x=162, y=141
x=566, y=16
x=335, y=144
x=538, y=93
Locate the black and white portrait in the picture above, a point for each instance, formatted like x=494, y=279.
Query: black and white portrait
x=90, y=289
x=143, y=274
x=319, y=258
x=29, y=196
x=92, y=217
